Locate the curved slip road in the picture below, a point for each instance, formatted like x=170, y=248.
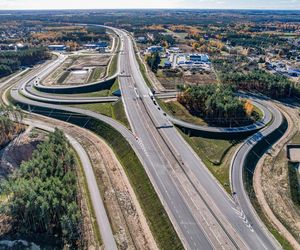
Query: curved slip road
x=98, y=206
x=244, y=206
x=96, y=199
x=166, y=156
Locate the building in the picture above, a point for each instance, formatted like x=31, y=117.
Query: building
x=96, y=46
x=153, y=49
x=199, y=58
x=57, y=47
x=173, y=50
x=141, y=39
x=167, y=64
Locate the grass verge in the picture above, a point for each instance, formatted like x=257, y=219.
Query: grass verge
x=282, y=241
x=157, y=218
x=143, y=70
x=95, y=75
x=177, y=110
x=63, y=77
x=114, y=110
x=216, y=155
x=82, y=181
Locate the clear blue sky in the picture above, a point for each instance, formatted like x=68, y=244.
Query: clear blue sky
x=197, y=4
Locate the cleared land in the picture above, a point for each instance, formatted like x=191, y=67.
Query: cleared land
x=79, y=69
x=170, y=78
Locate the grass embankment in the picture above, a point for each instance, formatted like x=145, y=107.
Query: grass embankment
x=63, y=77
x=100, y=93
x=282, y=241
x=82, y=182
x=95, y=74
x=216, y=155
x=113, y=66
x=177, y=110
x=114, y=110
x=157, y=217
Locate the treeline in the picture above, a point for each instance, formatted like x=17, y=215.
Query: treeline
x=8, y=127
x=42, y=194
x=216, y=104
x=163, y=39
x=153, y=61
x=11, y=61
x=255, y=41
x=272, y=85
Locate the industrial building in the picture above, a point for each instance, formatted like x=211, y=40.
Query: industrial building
x=57, y=47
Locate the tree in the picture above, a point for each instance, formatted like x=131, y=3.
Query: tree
x=153, y=61
x=42, y=194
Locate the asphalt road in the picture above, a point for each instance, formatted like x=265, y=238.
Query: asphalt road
x=266, y=119
x=215, y=196
x=96, y=199
x=204, y=216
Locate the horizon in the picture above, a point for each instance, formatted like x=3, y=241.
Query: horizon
x=11, y=5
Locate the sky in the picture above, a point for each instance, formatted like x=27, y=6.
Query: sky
x=136, y=4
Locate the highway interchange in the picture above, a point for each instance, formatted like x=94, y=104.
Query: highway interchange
x=203, y=214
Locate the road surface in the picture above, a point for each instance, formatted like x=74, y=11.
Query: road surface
x=204, y=216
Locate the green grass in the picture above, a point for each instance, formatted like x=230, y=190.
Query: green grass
x=114, y=87
x=114, y=61
x=114, y=110
x=143, y=71
x=157, y=217
x=82, y=179
x=177, y=110
x=100, y=108
x=216, y=155
x=119, y=114
x=96, y=74
x=63, y=77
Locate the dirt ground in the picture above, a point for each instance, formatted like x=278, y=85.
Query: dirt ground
x=20, y=149
x=271, y=184
x=170, y=81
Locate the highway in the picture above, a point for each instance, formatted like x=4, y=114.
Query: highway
x=95, y=196
x=192, y=165
x=204, y=216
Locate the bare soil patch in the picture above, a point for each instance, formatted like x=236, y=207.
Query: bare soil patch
x=272, y=187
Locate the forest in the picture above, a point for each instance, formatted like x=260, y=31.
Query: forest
x=216, y=104
x=272, y=85
x=42, y=193
x=11, y=61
